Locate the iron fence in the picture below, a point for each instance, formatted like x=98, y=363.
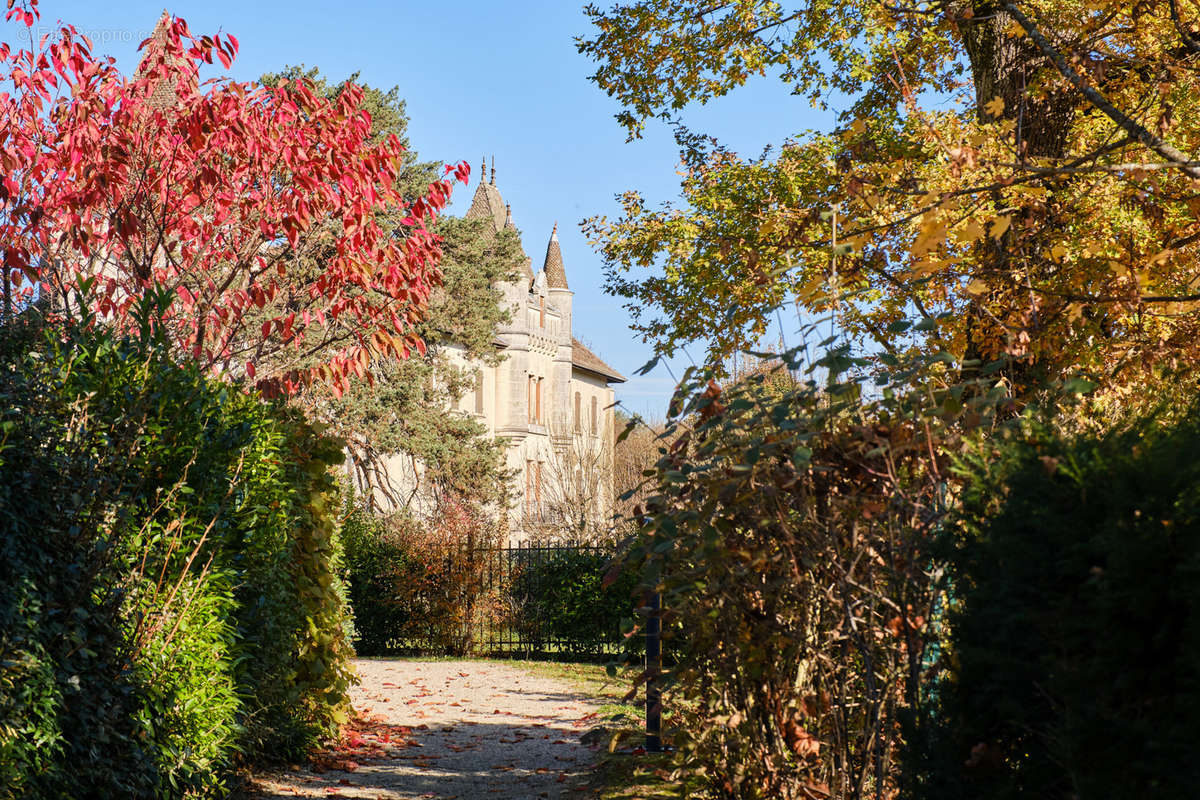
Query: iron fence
x=533, y=601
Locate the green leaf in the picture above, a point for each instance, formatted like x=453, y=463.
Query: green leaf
x=1078, y=385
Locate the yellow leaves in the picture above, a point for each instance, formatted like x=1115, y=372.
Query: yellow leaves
x=1057, y=252
x=1030, y=190
x=1000, y=226
x=812, y=289
x=970, y=232
x=976, y=287
x=926, y=266
x=933, y=233
x=770, y=228
x=995, y=106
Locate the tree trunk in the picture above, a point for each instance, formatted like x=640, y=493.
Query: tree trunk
x=1003, y=66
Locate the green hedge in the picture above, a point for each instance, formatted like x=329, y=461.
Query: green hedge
x=375, y=560
x=169, y=605
x=1074, y=649
x=562, y=596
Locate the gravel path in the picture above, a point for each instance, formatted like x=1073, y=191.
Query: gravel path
x=451, y=729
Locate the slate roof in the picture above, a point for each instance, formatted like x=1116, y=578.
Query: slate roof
x=556, y=274
x=488, y=204
x=585, y=359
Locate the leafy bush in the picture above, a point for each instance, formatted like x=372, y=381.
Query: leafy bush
x=417, y=586
x=785, y=526
x=433, y=589
x=560, y=594
x=1075, y=628
x=374, y=561
x=168, y=602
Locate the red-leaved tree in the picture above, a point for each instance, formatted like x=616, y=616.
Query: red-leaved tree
x=252, y=215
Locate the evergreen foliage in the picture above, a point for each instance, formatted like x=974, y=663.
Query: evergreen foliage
x=404, y=411
x=567, y=597
x=1074, y=645
x=168, y=598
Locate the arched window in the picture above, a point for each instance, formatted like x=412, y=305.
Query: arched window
x=578, y=414
x=595, y=419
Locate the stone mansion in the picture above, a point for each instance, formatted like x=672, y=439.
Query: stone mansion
x=550, y=397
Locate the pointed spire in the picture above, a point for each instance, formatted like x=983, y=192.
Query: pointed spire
x=489, y=205
x=163, y=94
x=556, y=274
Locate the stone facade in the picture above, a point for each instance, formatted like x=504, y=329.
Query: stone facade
x=550, y=398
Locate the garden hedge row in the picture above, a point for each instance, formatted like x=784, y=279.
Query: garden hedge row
x=169, y=606
x=1073, y=655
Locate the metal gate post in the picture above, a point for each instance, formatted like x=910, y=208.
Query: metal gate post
x=653, y=671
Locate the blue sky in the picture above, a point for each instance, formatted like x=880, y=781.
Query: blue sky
x=485, y=78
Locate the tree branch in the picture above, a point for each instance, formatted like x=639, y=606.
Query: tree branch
x=1189, y=41
x=1130, y=126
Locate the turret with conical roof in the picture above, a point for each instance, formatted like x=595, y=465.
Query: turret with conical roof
x=164, y=95
x=556, y=273
x=488, y=204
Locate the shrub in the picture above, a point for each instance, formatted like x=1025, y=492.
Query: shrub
x=167, y=595
x=418, y=586
x=433, y=589
x=560, y=594
x=1074, y=649
x=374, y=561
x=784, y=528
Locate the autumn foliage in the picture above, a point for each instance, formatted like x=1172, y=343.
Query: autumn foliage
x=253, y=211
x=1013, y=173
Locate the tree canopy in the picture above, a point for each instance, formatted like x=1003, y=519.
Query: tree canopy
x=212, y=196
x=1015, y=174
x=405, y=409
